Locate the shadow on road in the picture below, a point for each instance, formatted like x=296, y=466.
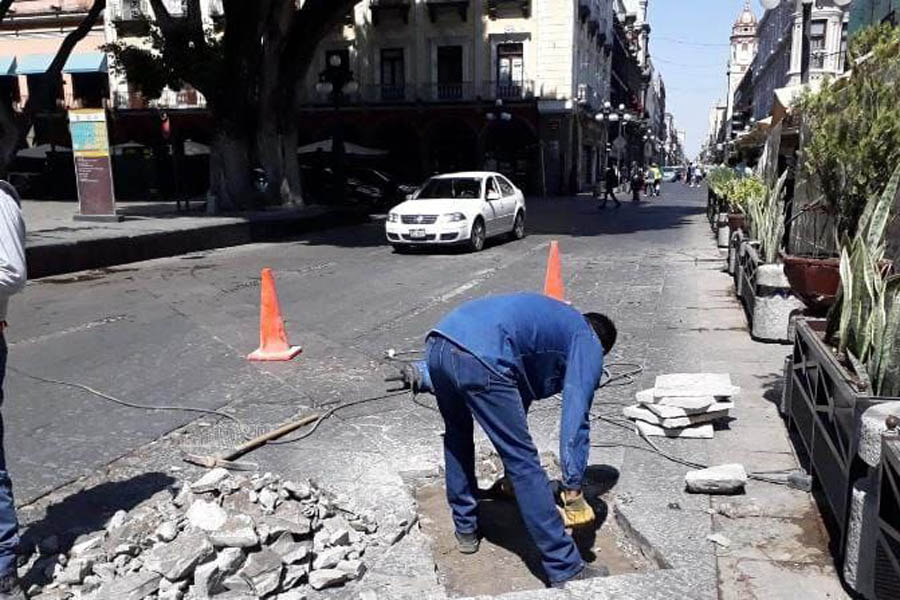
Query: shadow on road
x=88, y=511
x=578, y=216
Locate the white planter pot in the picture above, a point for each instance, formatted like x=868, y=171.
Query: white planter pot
x=774, y=305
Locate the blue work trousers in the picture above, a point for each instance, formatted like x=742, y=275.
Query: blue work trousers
x=465, y=387
x=9, y=524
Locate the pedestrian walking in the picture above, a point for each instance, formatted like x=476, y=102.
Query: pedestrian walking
x=12, y=280
x=610, y=180
x=637, y=182
x=656, y=179
x=490, y=359
x=689, y=175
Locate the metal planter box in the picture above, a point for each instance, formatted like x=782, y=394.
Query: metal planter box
x=887, y=551
x=824, y=410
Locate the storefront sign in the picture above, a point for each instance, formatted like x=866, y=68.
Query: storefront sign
x=93, y=169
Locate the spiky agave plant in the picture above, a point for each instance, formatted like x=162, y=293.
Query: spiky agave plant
x=767, y=220
x=867, y=312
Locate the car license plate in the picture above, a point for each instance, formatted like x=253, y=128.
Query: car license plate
x=417, y=234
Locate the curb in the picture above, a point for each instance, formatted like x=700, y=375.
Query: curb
x=68, y=257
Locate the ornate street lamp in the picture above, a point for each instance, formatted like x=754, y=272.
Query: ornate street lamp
x=336, y=82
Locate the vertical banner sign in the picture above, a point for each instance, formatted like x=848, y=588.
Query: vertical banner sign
x=93, y=169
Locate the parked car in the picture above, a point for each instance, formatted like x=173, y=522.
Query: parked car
x=458, y=208
x=672, y=173
x=372, y=188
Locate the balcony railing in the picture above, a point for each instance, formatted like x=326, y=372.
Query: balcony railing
x=168, y=99
x=463, y=91
x=509, y=90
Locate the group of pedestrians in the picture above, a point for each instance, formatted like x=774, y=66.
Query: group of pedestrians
x=638, y=180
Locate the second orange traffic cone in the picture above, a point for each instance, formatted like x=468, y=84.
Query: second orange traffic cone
x=273, y=344
x=553, y=281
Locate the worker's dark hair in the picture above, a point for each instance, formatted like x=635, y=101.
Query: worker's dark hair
x=604, y=328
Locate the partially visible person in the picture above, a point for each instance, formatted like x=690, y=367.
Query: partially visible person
x=610, y=181
x=12, y=280
x=689, y=175
x=656, y=178
x=637, y=182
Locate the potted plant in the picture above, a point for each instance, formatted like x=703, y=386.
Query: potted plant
x=764, y=289
x=843, y=371
x=742, y=192
x=853, y=141
x=718, y=179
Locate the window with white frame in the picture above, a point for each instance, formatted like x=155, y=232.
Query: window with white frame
x=817, y=31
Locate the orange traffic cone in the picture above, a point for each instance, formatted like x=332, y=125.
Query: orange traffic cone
x=273, y=344
x=553, y=281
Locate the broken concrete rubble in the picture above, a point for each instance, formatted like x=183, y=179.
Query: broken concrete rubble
x=198, y=545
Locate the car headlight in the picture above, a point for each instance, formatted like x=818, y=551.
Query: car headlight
x=393, y=217
x=453, y=217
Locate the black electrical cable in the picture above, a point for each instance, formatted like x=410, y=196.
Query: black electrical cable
x=110, y=398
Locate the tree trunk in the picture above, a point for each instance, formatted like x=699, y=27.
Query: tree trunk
x=9, y=137
x=229, y=173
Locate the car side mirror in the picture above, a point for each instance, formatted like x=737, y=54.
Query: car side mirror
x=492, y=195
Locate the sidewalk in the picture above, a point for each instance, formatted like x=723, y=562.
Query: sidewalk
x=57, y=244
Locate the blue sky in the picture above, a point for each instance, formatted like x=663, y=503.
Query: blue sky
x=689, y=46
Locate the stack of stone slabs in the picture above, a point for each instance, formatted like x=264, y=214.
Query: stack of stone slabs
x=683, y=405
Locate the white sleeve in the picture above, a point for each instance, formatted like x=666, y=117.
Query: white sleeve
x=13, y=275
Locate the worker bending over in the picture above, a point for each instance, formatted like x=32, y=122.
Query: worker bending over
x=490, y=359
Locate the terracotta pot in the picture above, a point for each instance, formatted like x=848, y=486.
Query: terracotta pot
x=813, y=280
x=737, y=221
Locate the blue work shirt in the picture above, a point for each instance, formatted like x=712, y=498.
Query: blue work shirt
x=543, y=345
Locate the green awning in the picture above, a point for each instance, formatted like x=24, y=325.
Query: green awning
x=79, y=62
x=7, y=66
x=86, y=62
x=33, y=64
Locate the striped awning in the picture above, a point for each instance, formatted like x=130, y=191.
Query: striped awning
x=79, y=62
x=33, y=64
x=86, y=62
x=7, y=66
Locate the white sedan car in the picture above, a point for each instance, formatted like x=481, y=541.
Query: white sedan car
x=458, y=208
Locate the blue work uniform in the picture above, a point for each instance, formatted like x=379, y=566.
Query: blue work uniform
x=490, y=358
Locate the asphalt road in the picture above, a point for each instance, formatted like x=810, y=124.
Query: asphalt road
x=176, y=331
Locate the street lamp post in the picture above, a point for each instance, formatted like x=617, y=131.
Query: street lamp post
x=336, y=81
x=607, y=116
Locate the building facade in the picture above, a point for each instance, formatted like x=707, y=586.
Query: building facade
x=864, y=13
x=744, y=47
x=511, y=85
x=30, y=37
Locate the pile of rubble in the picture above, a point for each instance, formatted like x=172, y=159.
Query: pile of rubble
x=223, y=536
x=683, y=405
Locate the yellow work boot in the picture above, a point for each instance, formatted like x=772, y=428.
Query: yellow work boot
x=575, y=511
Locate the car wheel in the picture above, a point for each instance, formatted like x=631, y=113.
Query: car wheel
x=518, y=231
x=476, y=239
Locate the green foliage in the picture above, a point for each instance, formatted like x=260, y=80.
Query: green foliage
x=745, y=192
x=169, y=61
x=719, y=178
x=869, y=310
x=767, y=220
x=854, y=127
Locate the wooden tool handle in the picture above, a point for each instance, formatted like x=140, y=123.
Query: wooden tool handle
x=274, y=434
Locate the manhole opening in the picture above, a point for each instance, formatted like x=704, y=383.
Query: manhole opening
x=507, y=560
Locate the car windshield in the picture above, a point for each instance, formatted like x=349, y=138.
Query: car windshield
x=451, y=187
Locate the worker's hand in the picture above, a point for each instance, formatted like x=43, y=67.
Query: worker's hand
x=412, y=378
x=575, y=511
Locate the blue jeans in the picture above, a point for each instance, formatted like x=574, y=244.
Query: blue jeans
x=464, y=388
x=9, y=525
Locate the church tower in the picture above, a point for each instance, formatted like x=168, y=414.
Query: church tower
x=744, y=44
